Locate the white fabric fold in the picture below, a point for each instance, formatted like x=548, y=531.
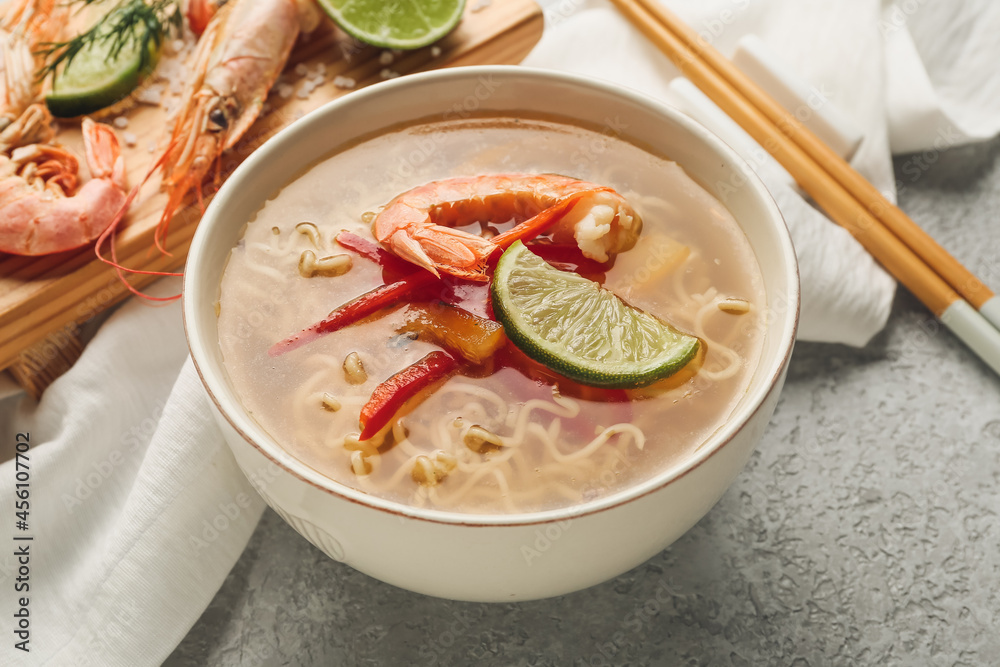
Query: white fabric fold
x=941, y=60
x=138, y=510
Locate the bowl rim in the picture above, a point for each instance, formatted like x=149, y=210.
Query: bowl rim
x=213, y=382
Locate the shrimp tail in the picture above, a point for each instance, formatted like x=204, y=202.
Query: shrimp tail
x=411, y=251
x=433, y=247
x=460, y=254
x=103, y=153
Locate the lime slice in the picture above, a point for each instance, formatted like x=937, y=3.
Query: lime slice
x=94, y=80
x=577, y=328
x=395, y=24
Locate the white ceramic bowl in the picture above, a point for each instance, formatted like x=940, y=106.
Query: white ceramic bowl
x=493, y=557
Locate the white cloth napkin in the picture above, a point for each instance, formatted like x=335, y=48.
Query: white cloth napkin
x=137, y=508
x=941, y=58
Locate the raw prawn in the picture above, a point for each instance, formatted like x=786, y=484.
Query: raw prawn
x=39, y=211
x=24, y=27
x=238, y=58
x=417, y=225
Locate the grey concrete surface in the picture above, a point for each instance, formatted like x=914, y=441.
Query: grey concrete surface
x=864, y=530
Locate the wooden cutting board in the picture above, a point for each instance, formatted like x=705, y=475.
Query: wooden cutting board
x=45, y=300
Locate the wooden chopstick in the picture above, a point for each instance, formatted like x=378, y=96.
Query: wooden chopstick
x=845, y=207
x=963, y=281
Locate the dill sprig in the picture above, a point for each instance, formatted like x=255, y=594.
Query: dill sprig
x=146, y=21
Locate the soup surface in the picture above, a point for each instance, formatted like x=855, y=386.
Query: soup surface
x=551, y=442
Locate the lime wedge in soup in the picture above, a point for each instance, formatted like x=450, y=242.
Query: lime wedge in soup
x=581, y=330
x=395, y=24
x=94, y=80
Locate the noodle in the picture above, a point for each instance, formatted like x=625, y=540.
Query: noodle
x=504, y=491
x=732, y=365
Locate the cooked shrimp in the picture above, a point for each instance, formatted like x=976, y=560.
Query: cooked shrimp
x=239, y=56
x=417, y=225
x=24, y=27
x=39, y=211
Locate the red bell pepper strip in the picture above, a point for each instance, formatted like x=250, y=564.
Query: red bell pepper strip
x=355, y=310
x=371, y=250
x=389, y=396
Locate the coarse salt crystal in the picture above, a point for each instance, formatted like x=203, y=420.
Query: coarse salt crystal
x=301, y=69
x=388, y=74
x=285, y=90
x=385, y=58
x=435, y=51
x=344, y=82
x=481, y=5
x=151, y=95
x=130, y=139
x=121, y=122
x=321, y=69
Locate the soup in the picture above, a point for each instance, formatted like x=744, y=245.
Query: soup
x=508, y=435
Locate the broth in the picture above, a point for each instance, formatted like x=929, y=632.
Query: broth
x=560, y=447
